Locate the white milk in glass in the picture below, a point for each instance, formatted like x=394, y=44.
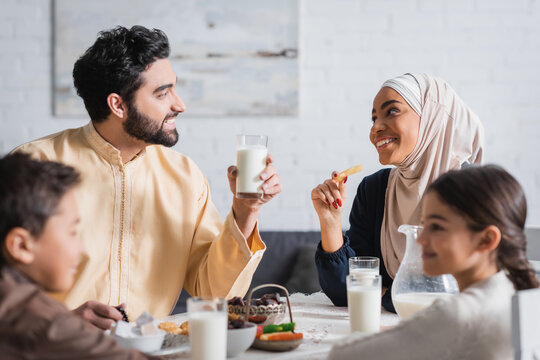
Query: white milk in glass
x=410, y=303
x=364, y=309
x=208, y=335
x=251, y=161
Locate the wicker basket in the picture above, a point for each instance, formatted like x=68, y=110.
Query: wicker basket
x=263, y=314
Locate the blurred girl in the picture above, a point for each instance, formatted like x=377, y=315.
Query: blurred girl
x=473, y=223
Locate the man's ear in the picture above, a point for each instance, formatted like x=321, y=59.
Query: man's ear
x=19, y=246
x=490, y=238
x=117, y=105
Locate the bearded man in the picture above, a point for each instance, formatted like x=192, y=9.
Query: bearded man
x=148, y=224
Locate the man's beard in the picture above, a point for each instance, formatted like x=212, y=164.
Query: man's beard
x=143, y=128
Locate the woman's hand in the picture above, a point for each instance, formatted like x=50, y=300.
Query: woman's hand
x=328, y=200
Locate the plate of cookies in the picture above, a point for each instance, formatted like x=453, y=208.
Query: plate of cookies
x=150, y=336
x=176, y=337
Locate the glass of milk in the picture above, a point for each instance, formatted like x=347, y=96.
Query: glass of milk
x=364, y=303
x=251, y=154
x=207, y=328
x=364, y=265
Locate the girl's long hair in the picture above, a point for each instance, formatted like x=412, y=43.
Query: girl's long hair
x=488, y=195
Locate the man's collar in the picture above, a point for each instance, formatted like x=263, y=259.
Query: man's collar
x=104, y=148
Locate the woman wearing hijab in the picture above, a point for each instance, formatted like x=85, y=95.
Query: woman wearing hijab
x=422, y=128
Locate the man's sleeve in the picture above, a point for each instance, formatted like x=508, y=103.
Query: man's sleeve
x=220, y=261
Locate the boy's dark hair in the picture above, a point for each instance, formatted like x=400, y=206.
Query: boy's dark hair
x=114, y=64
x=30, y=191
x=488, y=195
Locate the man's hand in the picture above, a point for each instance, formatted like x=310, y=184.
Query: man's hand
x=246, y=211
x=271, y=186
x=98, y=314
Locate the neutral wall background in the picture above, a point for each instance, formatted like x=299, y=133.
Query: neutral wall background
x=489, y=50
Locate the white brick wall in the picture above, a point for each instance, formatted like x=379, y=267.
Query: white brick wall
x=489, y=50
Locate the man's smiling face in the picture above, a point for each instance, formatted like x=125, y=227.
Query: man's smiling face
x=151, y=114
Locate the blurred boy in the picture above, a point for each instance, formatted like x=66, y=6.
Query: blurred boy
x=40, y=251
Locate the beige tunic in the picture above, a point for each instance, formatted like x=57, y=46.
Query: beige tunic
x=149, y=227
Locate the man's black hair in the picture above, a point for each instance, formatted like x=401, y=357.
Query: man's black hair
x=114, y=64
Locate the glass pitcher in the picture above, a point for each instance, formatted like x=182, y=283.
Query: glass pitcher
x=412, y=290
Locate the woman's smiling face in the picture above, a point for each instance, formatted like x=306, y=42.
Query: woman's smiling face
x=395, y=127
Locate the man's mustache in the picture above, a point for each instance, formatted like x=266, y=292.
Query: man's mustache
x=171, y=115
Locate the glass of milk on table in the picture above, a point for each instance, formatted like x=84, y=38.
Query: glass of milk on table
x=364, y=303
x=251, y=154
x=207, y=328
x=364, y=265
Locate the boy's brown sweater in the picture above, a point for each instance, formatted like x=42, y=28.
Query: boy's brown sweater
x=35, y=326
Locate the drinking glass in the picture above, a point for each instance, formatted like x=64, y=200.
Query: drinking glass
x=364, y=303
x=251, y=154
x=364, y=265
x=207, y=328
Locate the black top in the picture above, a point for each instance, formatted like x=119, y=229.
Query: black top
x=362, y=239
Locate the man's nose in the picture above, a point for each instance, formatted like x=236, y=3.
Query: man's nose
x=178, y=104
